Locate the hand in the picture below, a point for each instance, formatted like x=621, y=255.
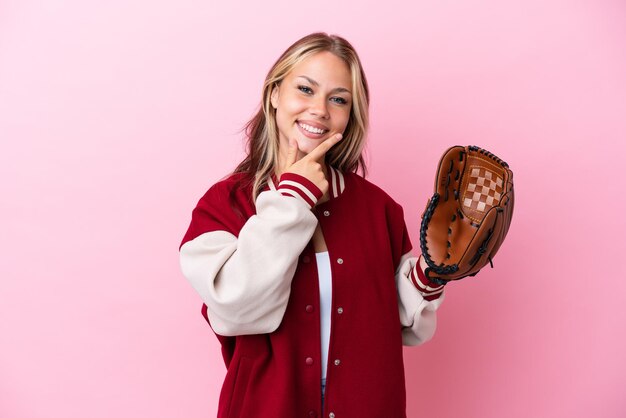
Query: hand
x=311, y=165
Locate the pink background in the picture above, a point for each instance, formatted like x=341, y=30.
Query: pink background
x=116, y=116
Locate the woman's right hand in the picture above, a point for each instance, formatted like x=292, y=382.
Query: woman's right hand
x=311, y=165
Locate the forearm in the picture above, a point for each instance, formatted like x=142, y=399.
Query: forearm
x=245, y=280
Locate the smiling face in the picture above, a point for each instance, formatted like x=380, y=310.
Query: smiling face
x=312, y=102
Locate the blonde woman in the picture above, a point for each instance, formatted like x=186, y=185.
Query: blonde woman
x=304, y=267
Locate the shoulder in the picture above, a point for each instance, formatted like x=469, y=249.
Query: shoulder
x=379, y=208
x=226, y=184
x=367, y=190
x=224, y=207
x=234, y=187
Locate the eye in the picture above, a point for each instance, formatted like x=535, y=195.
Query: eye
x=339, y=100
x=305, y=89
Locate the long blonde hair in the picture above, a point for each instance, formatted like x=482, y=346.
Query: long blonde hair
x=262, y=133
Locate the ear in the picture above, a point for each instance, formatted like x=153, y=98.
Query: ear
x=274, y=96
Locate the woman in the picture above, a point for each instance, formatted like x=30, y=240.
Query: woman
x=304, y=267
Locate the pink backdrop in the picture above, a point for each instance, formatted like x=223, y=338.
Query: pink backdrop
x=116, y=116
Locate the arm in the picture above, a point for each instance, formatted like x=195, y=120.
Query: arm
x=245, y=281
x=418, y=301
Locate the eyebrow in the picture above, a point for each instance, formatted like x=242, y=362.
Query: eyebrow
x=335, y=90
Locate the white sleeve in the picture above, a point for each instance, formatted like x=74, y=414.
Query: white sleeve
x=245, y=282
x=417, y=302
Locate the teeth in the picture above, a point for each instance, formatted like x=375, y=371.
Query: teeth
x=312, y=129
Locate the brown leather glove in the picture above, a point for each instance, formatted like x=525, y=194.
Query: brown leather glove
x=469, y=215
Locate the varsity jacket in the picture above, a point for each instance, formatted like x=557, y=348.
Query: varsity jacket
x=253, y=265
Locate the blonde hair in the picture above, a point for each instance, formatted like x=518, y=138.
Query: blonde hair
x=262, y=132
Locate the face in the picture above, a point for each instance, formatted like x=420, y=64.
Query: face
x=313, y=102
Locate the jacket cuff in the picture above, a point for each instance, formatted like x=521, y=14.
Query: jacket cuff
x=428, y=290
x=300, y=187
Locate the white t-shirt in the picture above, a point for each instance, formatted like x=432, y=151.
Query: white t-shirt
x=325, y=281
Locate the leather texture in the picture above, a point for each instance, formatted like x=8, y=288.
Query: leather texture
x=468, y=217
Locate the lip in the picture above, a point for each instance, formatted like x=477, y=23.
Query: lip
x=311, y=134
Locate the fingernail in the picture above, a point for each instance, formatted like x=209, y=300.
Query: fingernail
x=339, y=136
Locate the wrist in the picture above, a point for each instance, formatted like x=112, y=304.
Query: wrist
x=428, y=289
x=422, y=263
x=295, y=185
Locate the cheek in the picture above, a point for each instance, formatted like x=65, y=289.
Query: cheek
x=292, y=104
x=342, y=118
x=285, y=113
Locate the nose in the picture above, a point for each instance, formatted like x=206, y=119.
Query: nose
x=319, y=107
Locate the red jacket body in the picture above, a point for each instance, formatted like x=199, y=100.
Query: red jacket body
x=277, y=373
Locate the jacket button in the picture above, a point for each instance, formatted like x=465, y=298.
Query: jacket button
x=326, y=213
x=340, y=260
x=306, y=259
x=309, y=308
x=308, y=361
x=339, y=310
x=331, y=415
x=337, y=362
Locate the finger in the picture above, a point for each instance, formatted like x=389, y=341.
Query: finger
x=320, y=151
x=292, y=153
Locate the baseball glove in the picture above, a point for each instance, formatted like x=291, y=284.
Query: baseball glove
x=469, y=215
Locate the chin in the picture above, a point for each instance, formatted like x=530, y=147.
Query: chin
x=305, y=148
x=307, y=145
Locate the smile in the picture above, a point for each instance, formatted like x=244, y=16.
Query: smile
x=311, y=129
